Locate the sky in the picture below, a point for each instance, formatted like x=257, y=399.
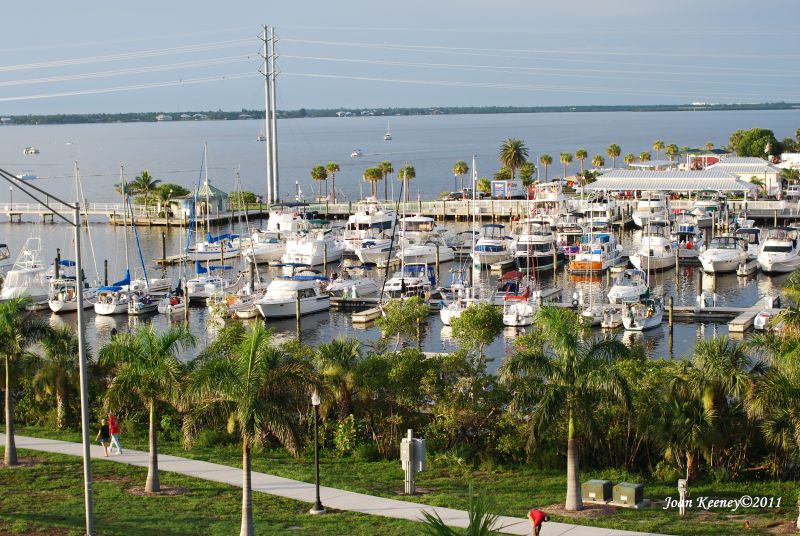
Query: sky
x=92, y=56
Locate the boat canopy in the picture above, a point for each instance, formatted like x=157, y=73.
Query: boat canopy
x=110, y=288
x=214, y=239
x=303, y=277
x=221, y=267
x=512, y=275
x=601, y=238
x=65, y=262
x=125, y=281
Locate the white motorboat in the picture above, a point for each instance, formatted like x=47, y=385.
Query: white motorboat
x=172, y=304
x=688, y=237
x=378, y=251
x=708, y=204
x=600, y=211
x=388, y=135
x=210, y=281
x=492, y=246
x=652, y=206
x=536, y=245
x=752, y=237
x=28, y=151
x=265, y=246
x=279, y=301
x=369, y=221
x=411, y=280
x=216, y=248
x=313, y=248
x=418, y=229
x=142, y=303
x=724, y=254
x=344, y=284
x=63, y=295
x=26, y=176
x=518, y=310
x=630, y=285
x=356, y=153
x=598, y=252
x=27, y=277
x=646, y=314
x=430, y=252
x=655, y=249
x=781, y=252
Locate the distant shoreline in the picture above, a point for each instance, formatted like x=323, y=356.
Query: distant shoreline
x=131, y=117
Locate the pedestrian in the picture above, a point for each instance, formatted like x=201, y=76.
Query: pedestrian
x=113, y=427
x=104, y=436
x=537, y=517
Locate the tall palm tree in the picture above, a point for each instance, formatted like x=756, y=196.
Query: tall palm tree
x=563, y=378
x=319, y=174
x=613, y=151
x=146, y=366
x=644, y=156
x=709, y=145
x=19, y=329
x=566, y=160
x=658, y=146
x=255, y=387
x=145, y=185
x=58, y=371
x=598, y=161
x=336, y=362
x=671, y=151
x=546, y=160
x=386, y=170
x=513, y=153
x=460, y=168
x=406, y=173
x=332, y=169
x=372, y=176
x=580, y=156
x=629, y=159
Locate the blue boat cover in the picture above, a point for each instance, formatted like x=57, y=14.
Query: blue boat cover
x=125, y=281
x=214, y=239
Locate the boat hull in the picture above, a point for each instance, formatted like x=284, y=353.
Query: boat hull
x=652, y=262
x=288, y=308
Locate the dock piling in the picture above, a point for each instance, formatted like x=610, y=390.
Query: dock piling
x=105, y=272
x=670, y=313
x=297, y=313
x=325, y=259
x=163, y=247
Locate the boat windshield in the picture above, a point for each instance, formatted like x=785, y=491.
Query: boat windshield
x=724, y=242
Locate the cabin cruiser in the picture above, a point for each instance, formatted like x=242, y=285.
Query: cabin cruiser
x=313, y=248
x=141, y=303
x=418, y=229
x=27, y=277
x=213, y=248
x=26, y=176
x=655, y=249
x=283, y=292
x=598, y=252
x=265, y=246
x=510, y=284
x=378, y=251
x=536, y=245
x=688, y=237
x=630, y=285
x=411, y=280
x=707, y=205
x=547, y=201
x=493, y=246
x=63, y=295
x=569, y=229
x=518, y=310
x=724, y=254
x=432, y=251
x=344, y=284
x=651, y=207
x=370, y=221
x=643, y=315
x=752, y=237
x=210, y=281
x=173, y=303
x=780, y=253
x=599, y=211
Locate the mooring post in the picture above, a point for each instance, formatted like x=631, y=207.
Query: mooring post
x=105, y=272
x=297, y=313
x=670, y=312
x=164, y=248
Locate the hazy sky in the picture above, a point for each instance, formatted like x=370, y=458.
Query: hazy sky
x=409, y=53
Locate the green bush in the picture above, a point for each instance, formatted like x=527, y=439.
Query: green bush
x=367, y=452
x=345, y=437
x=213, y=438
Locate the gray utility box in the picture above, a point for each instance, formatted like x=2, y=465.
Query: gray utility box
x=627, y=494
x=596, y=491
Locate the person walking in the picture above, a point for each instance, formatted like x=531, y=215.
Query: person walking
x=113, y=427
x=537, y=517
x=104, y=436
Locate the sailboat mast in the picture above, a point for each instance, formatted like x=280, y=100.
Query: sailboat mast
x=125, y=214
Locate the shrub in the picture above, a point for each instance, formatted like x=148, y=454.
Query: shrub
x=345, y=436
x=367, y=452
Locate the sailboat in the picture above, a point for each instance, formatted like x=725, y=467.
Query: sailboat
x=388, y=135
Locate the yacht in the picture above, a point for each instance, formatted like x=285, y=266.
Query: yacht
x=313, y=248
x=411, y=280
x=780, y=253
x=598, y=252
x=214, y=248
x=643, y=315
x=280, y=299
x=518, y=310
x=651, y=207
x=569, y=229
x=630, y=285
x=600, y=211
x=655, y=250
x=210, y=281
x=547, y=201
x=63, y=295
x=26, y=176
x=369, y=221
x=27, y=278
x=432, y=251
x=688, y=237
x=28, y=151
x=265, y=246
x=707, y=205
x=724, y=254
x=345, y=284
x=356, y=153
x=378, y=251
x=388, y=135
x=418, y=229
x=492, y=246
x=536, y=245
x=752, y=237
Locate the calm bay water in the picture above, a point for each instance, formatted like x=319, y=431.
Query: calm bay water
x=172, y=152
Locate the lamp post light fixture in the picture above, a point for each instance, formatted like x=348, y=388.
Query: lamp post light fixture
x=317, y=509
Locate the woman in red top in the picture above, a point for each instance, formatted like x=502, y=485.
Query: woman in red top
x=537, y=517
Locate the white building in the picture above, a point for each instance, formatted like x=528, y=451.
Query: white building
x=747, y=167
x=163, y=117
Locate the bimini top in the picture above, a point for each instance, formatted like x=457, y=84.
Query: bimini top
x=214, y=239
x=303, y=277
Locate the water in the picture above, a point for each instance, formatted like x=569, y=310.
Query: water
x=172, y=152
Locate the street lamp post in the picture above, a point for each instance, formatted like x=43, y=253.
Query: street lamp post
x=317, y=508
x=11, y=198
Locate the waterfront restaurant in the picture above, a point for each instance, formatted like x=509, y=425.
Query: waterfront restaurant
x=641, y=180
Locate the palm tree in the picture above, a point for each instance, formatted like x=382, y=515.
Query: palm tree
x=629, y=159
x=164, y=196
x=336, y=362
x=254, y=386
x=546, y=160
x=671, y=151
x=19, y=329
x=613, y=151
x=319, y=173
x=709, y=145
x=658, y=146
x=598, y=161
x=513, y=153
x=145, y=185
x=372, y=176
x=481, y=522
x=580, y=156
x=644, y=156
x=483, y=185
x=332, y=169
x=405, y=174
x=460, y=168
x=386, y=170
x=146, y=366
x=564, y=376
x=58, y=371
x=566, y=159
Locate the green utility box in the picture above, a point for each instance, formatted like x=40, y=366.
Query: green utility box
x=596, y=491
x=627, y=494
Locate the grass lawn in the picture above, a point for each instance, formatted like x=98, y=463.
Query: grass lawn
x=46, y=497
x=512, y=490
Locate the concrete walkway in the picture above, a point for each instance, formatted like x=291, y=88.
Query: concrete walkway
x=301, y=491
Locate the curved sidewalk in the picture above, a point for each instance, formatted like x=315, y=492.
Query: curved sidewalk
x=302, y=491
